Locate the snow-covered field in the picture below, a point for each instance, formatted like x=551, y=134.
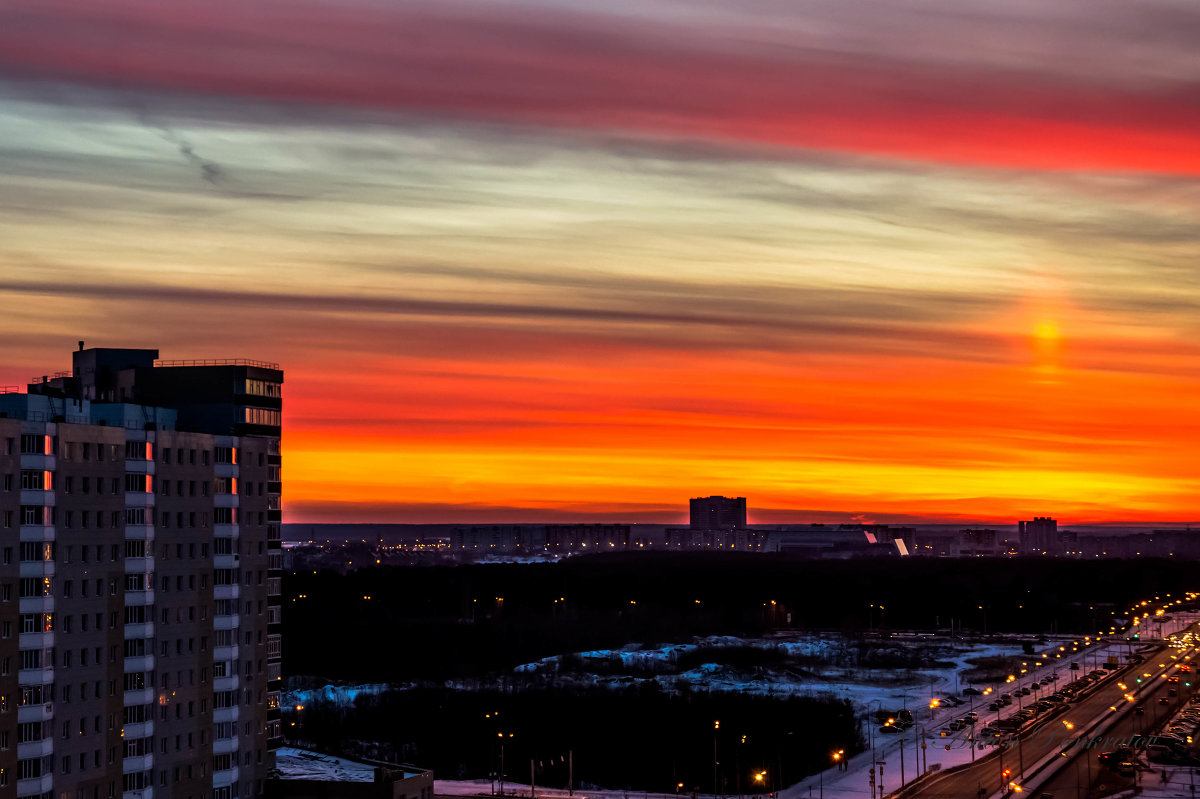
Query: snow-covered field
x=815, y=665
x=799, y=665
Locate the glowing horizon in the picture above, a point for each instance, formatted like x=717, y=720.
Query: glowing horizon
x=887, y=260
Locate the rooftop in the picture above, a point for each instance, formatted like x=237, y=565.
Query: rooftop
x=305, y=764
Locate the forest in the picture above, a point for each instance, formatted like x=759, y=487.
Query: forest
x=454, y=622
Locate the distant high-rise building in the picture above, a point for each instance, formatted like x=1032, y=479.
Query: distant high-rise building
x=140, y=574
x=718, y=513
x=1039, y=536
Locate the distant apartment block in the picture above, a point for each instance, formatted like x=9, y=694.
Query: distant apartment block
x=484, y=540
x=140, y=579
x=1040, y=537
x=717, y=513
x=740, y=539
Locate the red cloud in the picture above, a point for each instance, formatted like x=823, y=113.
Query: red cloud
x=569, y=70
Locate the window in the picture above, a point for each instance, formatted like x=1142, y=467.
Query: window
x=262, y=416
x=34, y=480
x=263, y=388
x=35, y=444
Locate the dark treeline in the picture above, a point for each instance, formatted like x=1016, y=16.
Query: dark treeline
x=641, y=739
x=443, y=622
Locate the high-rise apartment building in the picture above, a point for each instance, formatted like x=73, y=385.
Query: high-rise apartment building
x=717, y=513
x=1040, y=536
x=140, y=570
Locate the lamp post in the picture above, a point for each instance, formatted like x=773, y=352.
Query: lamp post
x=871, y=725
x=716, y=763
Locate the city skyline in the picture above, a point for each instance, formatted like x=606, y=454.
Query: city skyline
x=545, y=262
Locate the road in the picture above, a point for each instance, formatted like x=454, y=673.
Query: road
x=1082, y=774
x=1052, y=733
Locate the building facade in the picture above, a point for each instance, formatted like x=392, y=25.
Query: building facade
x=140, y=568
x=1039, y=536
x=717, y=513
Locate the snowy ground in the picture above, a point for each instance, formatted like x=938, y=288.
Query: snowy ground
x=302, y=764
x=868, y=689
x=935, y=756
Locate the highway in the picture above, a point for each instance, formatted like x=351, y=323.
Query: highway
x=1050, y=733
x=1082, y=773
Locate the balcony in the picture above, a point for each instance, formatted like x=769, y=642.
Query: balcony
x=39, y=463
x=139, y=499
x=139, y=466
x=35, y=676
x=225, y=652
x=224, y=746
x=37, y=604
x=143, y=729
x=225, y=470
x=139, y=663
x=37, y=532
x=139, y=532
x=34, y=496
x=132, y=765
x=40, y=748
x=225, y=592
x=223, y=714
x=225, y=531
x=43, y=640
x=225, y=561
x=138, y=696
x=35, y=785
x=225, y=622
x=144, y=793
x=225, y=777
x=41, y=712
x=37, y=568
x=140, y=630
x=139, y=565
x=226, y=501
x=135, y=598
x=229, y=683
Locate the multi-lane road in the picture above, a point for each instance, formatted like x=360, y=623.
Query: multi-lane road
x=1079, y=767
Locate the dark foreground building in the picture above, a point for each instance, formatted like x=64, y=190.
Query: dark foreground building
x=140, y=579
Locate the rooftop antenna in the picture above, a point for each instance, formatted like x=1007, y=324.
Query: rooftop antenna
x=81, y=345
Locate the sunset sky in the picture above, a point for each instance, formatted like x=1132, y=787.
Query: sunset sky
x=528, y=261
